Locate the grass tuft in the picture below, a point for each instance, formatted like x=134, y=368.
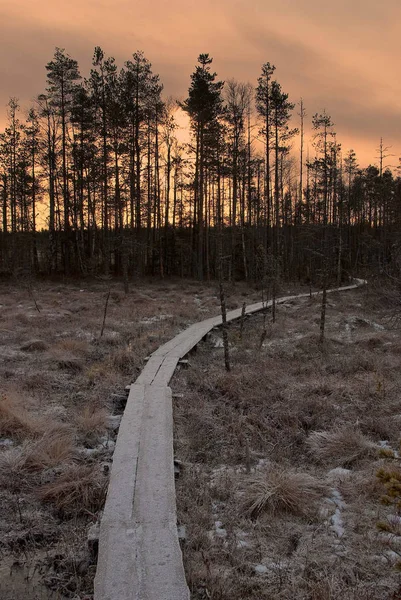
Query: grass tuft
x=278, y=490
x=51, y=450
x=341, y=447
x=15, y=420
x=91, y=423
x=77, y=490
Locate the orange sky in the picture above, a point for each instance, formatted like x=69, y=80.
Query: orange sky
x=344, y=56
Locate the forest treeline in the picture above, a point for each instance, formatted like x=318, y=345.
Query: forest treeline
x=95, y=178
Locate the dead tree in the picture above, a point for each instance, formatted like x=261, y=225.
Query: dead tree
x=224, y=324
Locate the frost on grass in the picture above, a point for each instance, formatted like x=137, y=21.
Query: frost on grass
x=283, y=454
x=279, y=490
x=57, y=409
x=340, y=447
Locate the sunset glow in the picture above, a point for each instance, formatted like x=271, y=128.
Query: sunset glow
x=343, y=57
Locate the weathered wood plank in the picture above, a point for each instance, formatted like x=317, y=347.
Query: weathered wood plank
x=139, y=553
x=150, y=370
x=116, y=572
x=159, y=554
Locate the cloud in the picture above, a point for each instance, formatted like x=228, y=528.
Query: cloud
x=342, y=56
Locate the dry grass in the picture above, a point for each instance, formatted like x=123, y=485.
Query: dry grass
x=70, y=376
x=91, y=423
x=73, y=346
x=53, y=449
x=71, y=364
x=12, y=469
x=123, y=360
x=273, y=400
x=277, y=490
x=341, y=447
x=21, y=467
x=36, y=383
x=34, y=346
x=292, y=404
x=80, y=488
x=15, y=420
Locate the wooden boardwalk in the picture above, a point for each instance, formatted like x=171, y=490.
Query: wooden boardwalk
x=139, y=552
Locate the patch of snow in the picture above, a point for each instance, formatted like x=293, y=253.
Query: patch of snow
x=221, y=532
x=377, y=326
x=385, y=445
x=6, y=443
x=216, y=341
x=89, y=451
x=337, y=499
x=354, y=321
x=113, y=422
x=388, y=557
x=155, y=319
x=338, y=474
x=272, y=565
x=336, y=521
x=219, y=529
x=260, y=569
x=241, y=533
x=108, y=445
x=242, y=541
x=261, y=464
x=112, y=334
x=85, y=335
x=360, y=281
x=277, y=565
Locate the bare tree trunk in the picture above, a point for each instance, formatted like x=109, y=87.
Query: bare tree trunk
x=105, y=312
x=323, y=307
x=224, y=323
x=241, y=330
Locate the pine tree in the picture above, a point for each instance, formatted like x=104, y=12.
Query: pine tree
x=263, y=107
x=62, y=77
x=204, y=106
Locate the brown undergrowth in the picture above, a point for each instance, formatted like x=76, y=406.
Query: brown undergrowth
x=279, y=490
x=58, y=376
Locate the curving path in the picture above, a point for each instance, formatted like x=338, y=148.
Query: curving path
x=139, y=553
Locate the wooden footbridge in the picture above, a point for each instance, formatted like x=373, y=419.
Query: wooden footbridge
x=139, y=553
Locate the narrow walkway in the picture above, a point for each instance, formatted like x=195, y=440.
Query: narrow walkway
x=139, y=553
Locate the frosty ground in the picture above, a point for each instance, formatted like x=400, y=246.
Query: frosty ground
x=285, y=460
x=60, y=406
x=290, y=478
